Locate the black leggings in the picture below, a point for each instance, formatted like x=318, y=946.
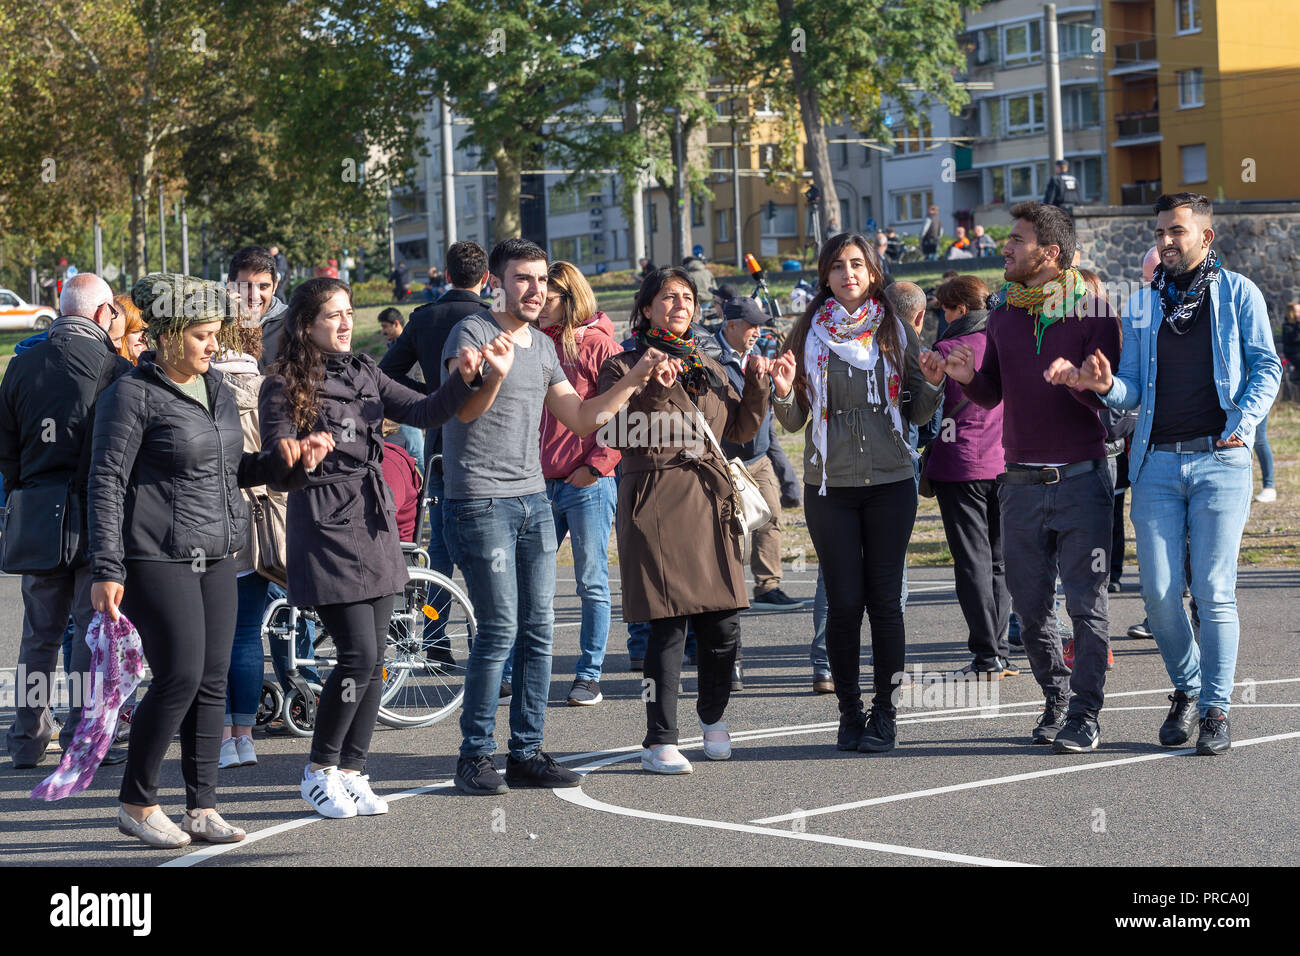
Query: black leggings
x=349, y=702
x=861, y=537
x=186, y=620
x=717, y=639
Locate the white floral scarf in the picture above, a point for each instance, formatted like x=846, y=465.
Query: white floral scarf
x=853, y=339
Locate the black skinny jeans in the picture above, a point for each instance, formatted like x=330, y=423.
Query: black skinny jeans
x=349, y=701
x=861, y=537
x=717, y=638
x=186, y=620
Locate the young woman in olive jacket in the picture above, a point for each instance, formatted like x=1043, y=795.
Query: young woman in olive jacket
x=345, y=556
x=165, y=519
x=858, y=376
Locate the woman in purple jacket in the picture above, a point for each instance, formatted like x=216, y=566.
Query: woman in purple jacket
x=964, y=460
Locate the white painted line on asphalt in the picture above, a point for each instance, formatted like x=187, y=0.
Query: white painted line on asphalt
x=1013, y=778
x=581, y=799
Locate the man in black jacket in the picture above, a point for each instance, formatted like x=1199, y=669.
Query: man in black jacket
x=422, y=341
x=1063, y=188
x=47, y=400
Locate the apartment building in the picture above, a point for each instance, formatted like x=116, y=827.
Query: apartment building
x=1203, y=98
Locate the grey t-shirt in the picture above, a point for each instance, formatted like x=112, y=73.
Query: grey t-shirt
x=497, y=454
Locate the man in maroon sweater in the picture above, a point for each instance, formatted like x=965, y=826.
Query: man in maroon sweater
x=1056, y=497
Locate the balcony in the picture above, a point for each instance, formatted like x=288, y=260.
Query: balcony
x=1136, y=129
x=1142, y=193
x=1135, y=58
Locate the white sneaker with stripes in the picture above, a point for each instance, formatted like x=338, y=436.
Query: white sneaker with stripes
x=358, y=787
x=325, y=792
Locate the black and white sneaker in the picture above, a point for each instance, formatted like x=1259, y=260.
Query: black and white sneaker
x=778, y=599
x=477, y=777
x=1213, y=739
x=1080, y=735
x=1049, y=724
x=323, y=789
x=540, y=770
x=1141, y=632
x=585, y=693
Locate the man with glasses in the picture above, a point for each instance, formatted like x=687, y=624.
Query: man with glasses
x=47, y=400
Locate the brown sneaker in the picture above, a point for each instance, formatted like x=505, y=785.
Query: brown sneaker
x=209, y=827
x=823, y=685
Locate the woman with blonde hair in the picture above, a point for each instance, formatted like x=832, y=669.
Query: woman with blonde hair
x=579, y=472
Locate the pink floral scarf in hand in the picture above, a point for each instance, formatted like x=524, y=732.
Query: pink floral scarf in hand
x=117, y=666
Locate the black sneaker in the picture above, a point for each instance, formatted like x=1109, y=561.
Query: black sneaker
x=976, y=671
x=1079, y=736
x=1180, y=721
x=777, y=598
x=635, y=664
x=737, y=677
x=880, y=733
x=585, y=693
x=1009, y=669
x=506, y=693
x=790, y=501
x=1141, y=631
x=478, y=777
x=540, y=770
x=1114, y=588
x=1214, y=738
x=440, y=654
x=850, y=732
x=1013, y=632
x=1049, y=724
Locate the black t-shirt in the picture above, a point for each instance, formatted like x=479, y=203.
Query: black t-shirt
x=1187, y=401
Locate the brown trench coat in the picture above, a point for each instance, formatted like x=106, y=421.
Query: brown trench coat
x=677, y=552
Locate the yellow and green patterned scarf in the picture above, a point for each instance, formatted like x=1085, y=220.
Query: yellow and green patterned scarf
x=1049, y=302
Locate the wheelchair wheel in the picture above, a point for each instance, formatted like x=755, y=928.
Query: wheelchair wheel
x=429, y=637
x=270, y=704
x=295, y=712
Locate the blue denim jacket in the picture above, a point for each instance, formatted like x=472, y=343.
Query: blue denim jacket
x=1247, y=372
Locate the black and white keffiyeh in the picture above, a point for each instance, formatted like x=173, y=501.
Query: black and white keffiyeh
x=1180, y=307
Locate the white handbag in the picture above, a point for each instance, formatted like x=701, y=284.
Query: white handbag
x=751, y=508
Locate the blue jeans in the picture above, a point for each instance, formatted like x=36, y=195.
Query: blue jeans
x=588, y=515
x=1202, y=499
x=821, y=664
x=302, y=648
x=244, y=683
x=505, y=547
x=414, y=440
x=1264, y=451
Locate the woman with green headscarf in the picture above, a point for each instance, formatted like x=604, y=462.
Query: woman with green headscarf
x=165, y=517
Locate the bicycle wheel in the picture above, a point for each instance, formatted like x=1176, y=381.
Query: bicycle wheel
x=429, y=637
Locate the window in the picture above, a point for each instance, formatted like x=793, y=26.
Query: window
x=767, y=155
x=576, y=249
x=697, y=211
x=846, y=215
x=913, y=139
x=1088, y=171
x=1193, y=162
x=8, y=299
x=1022, y=43
x=1025, y=114
x=911, y=206
x=844, y=154
x=565, y=199
x=997, y=185
x=867, y=216
x=468, y=210
x=1079, y=107
x=782, y=224
x=1187, y=16
x=654, y=218
x=721, y=161
x=1191, y=88
x=1020, y=182
x=986, y=46
x=722, y=224
x=1075, y=38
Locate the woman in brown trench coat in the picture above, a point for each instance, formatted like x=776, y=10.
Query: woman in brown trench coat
x=679, y=554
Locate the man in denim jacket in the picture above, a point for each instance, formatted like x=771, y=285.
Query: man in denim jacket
x=1190, y=459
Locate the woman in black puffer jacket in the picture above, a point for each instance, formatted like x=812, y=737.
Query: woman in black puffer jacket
x=165, y=517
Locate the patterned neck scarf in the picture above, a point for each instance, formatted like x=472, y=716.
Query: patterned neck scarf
x=697, y=376
x=853, y=339
x=1049, y=302
x=1180, y=307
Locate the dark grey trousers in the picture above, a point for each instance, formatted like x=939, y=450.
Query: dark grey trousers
x=47, y=602
x=1063, y=527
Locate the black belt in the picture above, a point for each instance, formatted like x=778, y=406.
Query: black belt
x=1187, y=447
x=1047, y=475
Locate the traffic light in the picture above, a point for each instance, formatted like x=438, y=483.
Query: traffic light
x=771, y=209
x=812, y=193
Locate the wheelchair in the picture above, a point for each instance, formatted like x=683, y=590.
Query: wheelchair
x=425, y=657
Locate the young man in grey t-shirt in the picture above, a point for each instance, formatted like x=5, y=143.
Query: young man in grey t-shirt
x=498, y=524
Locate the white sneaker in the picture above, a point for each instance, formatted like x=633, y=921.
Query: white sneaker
x=247, y=755
x=717, y=747
x=325, y=792
x=664, y=758
x=229, y=754
x=1267, y=495
x=358, y=787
